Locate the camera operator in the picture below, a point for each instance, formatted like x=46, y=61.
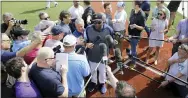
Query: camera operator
x=78, y=67
x=6, y=84
x=6, y=27
x=20, y=38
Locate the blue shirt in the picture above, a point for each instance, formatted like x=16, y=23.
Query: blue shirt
x=78, y=69
x=66, y=28
x=48, y=81
x=77, y=34
x=17, y=45
x=6, y=55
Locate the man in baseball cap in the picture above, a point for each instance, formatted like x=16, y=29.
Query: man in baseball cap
x=58, y=34
x=20, y=38
x=78, y=67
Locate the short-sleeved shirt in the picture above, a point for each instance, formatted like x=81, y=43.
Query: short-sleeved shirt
x=178, y=68
x=109, y=20
x=90, y=36
x=48, y=81
x=4, y=27
x=26, y=89
x=18, y=45
x=138, y=19
x=29, y=57
x=155, y=12
x=121, y=18
x=76, y=12
x=78, y=69
x=182, y=28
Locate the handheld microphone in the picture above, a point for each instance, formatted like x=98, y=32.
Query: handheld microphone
x=118, y=58
x=110, y=41
x=103, y=51
x=80, y=50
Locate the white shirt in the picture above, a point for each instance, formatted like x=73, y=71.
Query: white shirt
x=54, y=43
x=178, y=68
x=120, y=18
x=76, y=12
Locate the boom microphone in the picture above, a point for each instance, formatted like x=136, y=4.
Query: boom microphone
x=118, y=58
x=103, y=51
x=109, y=41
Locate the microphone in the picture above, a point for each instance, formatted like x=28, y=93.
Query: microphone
x=118, y=58
x=103, y=51
x=57, y=49
x=110, y=41
x=80, y=50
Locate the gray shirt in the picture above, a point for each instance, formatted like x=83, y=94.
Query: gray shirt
x=109, y=20
x=66, y=28
x=182, y=29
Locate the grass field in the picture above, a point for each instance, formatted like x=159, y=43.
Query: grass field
x=29, y=10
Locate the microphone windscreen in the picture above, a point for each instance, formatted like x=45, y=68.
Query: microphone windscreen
x=118, y=56
x=109, y=40
x=103, y=49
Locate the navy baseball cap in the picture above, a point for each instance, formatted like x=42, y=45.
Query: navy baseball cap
x=57, y=29
x=97, y=16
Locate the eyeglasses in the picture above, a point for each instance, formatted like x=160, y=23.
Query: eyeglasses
x=160, y=14
x=98, y=22
x=50, y=58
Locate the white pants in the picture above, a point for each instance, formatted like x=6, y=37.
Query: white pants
x=102, y=72
x=48, y=3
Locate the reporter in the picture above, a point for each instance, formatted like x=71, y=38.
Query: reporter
x=50, y=82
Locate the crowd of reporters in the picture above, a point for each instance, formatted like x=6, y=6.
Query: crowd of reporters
x=29, y=66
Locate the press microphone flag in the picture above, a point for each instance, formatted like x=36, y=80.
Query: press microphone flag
x=103, y=51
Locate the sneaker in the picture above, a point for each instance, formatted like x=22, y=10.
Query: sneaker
x=102, y=88
x=91, y=86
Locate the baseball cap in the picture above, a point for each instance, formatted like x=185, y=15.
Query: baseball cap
x=69, y=40
x=18, y=31
x=97, y=16
x=57, y=29
x=120, y=4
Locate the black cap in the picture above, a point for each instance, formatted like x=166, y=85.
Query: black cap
x=97, y=16
x=18, y=31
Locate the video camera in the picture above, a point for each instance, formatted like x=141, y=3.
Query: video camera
x=19, y=21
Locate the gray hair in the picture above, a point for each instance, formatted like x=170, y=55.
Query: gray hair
x=79, y=21
x=124, y=90
x=7, y=15
x=42, y=13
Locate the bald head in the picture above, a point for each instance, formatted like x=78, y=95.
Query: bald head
x=45, y=53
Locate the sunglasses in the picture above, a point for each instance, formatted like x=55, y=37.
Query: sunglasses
x=160, y=14
x=98, y=22
x=45, y=18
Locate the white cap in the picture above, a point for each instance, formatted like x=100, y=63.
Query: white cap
x=120, y=4
x=69, y=40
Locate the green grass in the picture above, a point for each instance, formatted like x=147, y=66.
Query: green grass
x=30, y=10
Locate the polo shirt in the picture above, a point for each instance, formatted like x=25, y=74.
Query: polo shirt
x=26, y=89
x=78, y=69
x=145, y=6
x=18, y=45
x=90, y=36
x=48, y=81
x=138, y=19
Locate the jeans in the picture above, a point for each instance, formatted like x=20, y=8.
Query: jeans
x=134, y=43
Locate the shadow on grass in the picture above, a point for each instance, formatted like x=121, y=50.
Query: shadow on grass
x=32, y=11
